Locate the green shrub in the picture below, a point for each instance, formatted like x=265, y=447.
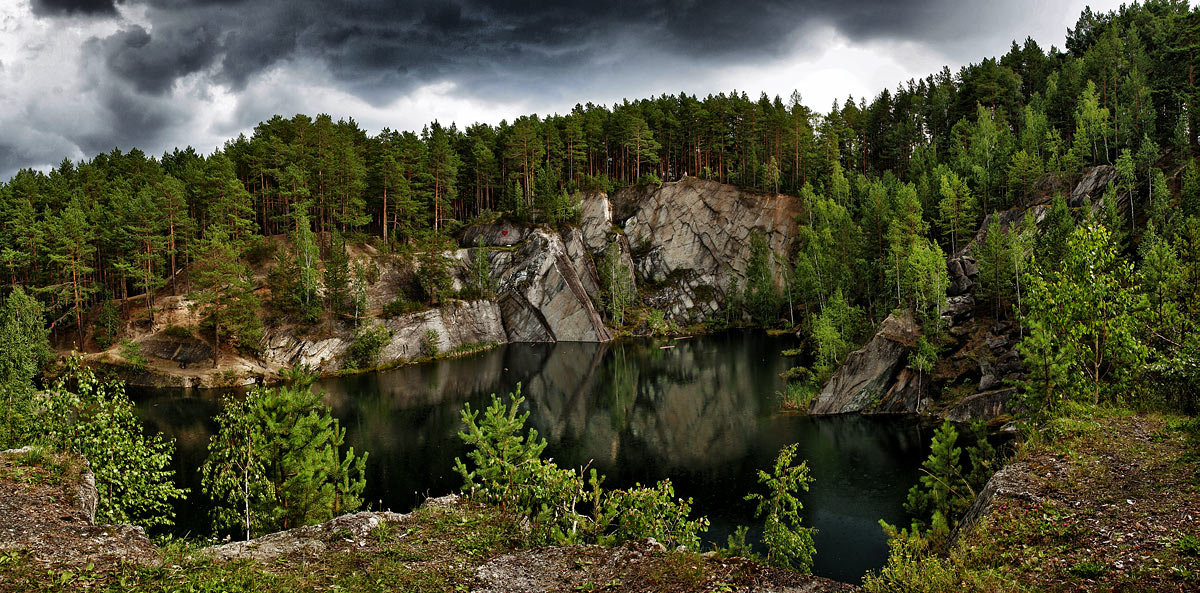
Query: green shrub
x=1088, y=569
x=657, y=323
x=400, y=305
x=737, y=546
x=132, y=353
x=429, y=343
x=178, y=332
x=96, y=420
x=1188, y=545
x=911, y=567
x=364, y=350
x=789, y=544
x=507, y=469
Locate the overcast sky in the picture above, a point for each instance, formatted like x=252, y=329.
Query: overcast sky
x=78, y=77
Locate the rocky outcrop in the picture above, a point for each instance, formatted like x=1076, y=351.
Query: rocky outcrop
x=497, y=234
x=546, y=289
x=984, y=405
x=53, y=519
x=184, y=350
x=1012, y=482
x=691, y=239
x=311, y=540
x=456, y=324
x=1091, y=187
x=874, y=378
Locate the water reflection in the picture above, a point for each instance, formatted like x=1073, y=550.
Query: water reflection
x=702, y=412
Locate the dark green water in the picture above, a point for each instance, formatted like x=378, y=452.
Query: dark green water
x=703, y=413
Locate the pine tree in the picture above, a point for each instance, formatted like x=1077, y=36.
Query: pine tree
x=337, y=276
x=957, y=211
x=224, y=293
x=762, y=297
x=72, y=252
x=615, y=279
x=276, y=462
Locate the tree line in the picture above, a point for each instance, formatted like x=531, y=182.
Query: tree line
x=890, y=186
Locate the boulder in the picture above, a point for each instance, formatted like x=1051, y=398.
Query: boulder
x=185, y=350
x=959, y=309
x=870, y=373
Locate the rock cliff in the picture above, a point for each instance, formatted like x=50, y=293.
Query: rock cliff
x=691, y=238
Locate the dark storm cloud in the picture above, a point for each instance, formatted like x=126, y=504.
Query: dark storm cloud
x=74, y=7
x=381, y=48
x=151, y=63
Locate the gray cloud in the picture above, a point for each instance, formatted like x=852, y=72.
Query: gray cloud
x=75, y=7
x=496, y=51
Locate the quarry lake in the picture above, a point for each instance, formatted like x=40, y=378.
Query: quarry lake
x=703, y=412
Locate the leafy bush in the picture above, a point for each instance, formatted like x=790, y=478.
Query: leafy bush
x=789, y=544
x=507, y=469
x=132, y=353
x=654, y=511
x=178, y=332
x=398, y=306
x=911, y=567
x=275, y=462
x=657, y=323
x=96, y=421
x=364, y=350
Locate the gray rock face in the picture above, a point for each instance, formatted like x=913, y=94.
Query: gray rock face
x=181, y=350
x=867, y=381
x=691, y=238
x=285, y=349
x=456, y=324
x=596, y=218
x=1012, y=481
x=545, y=290
x=498, y=234
x=55, y=523
x=1091, y=187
